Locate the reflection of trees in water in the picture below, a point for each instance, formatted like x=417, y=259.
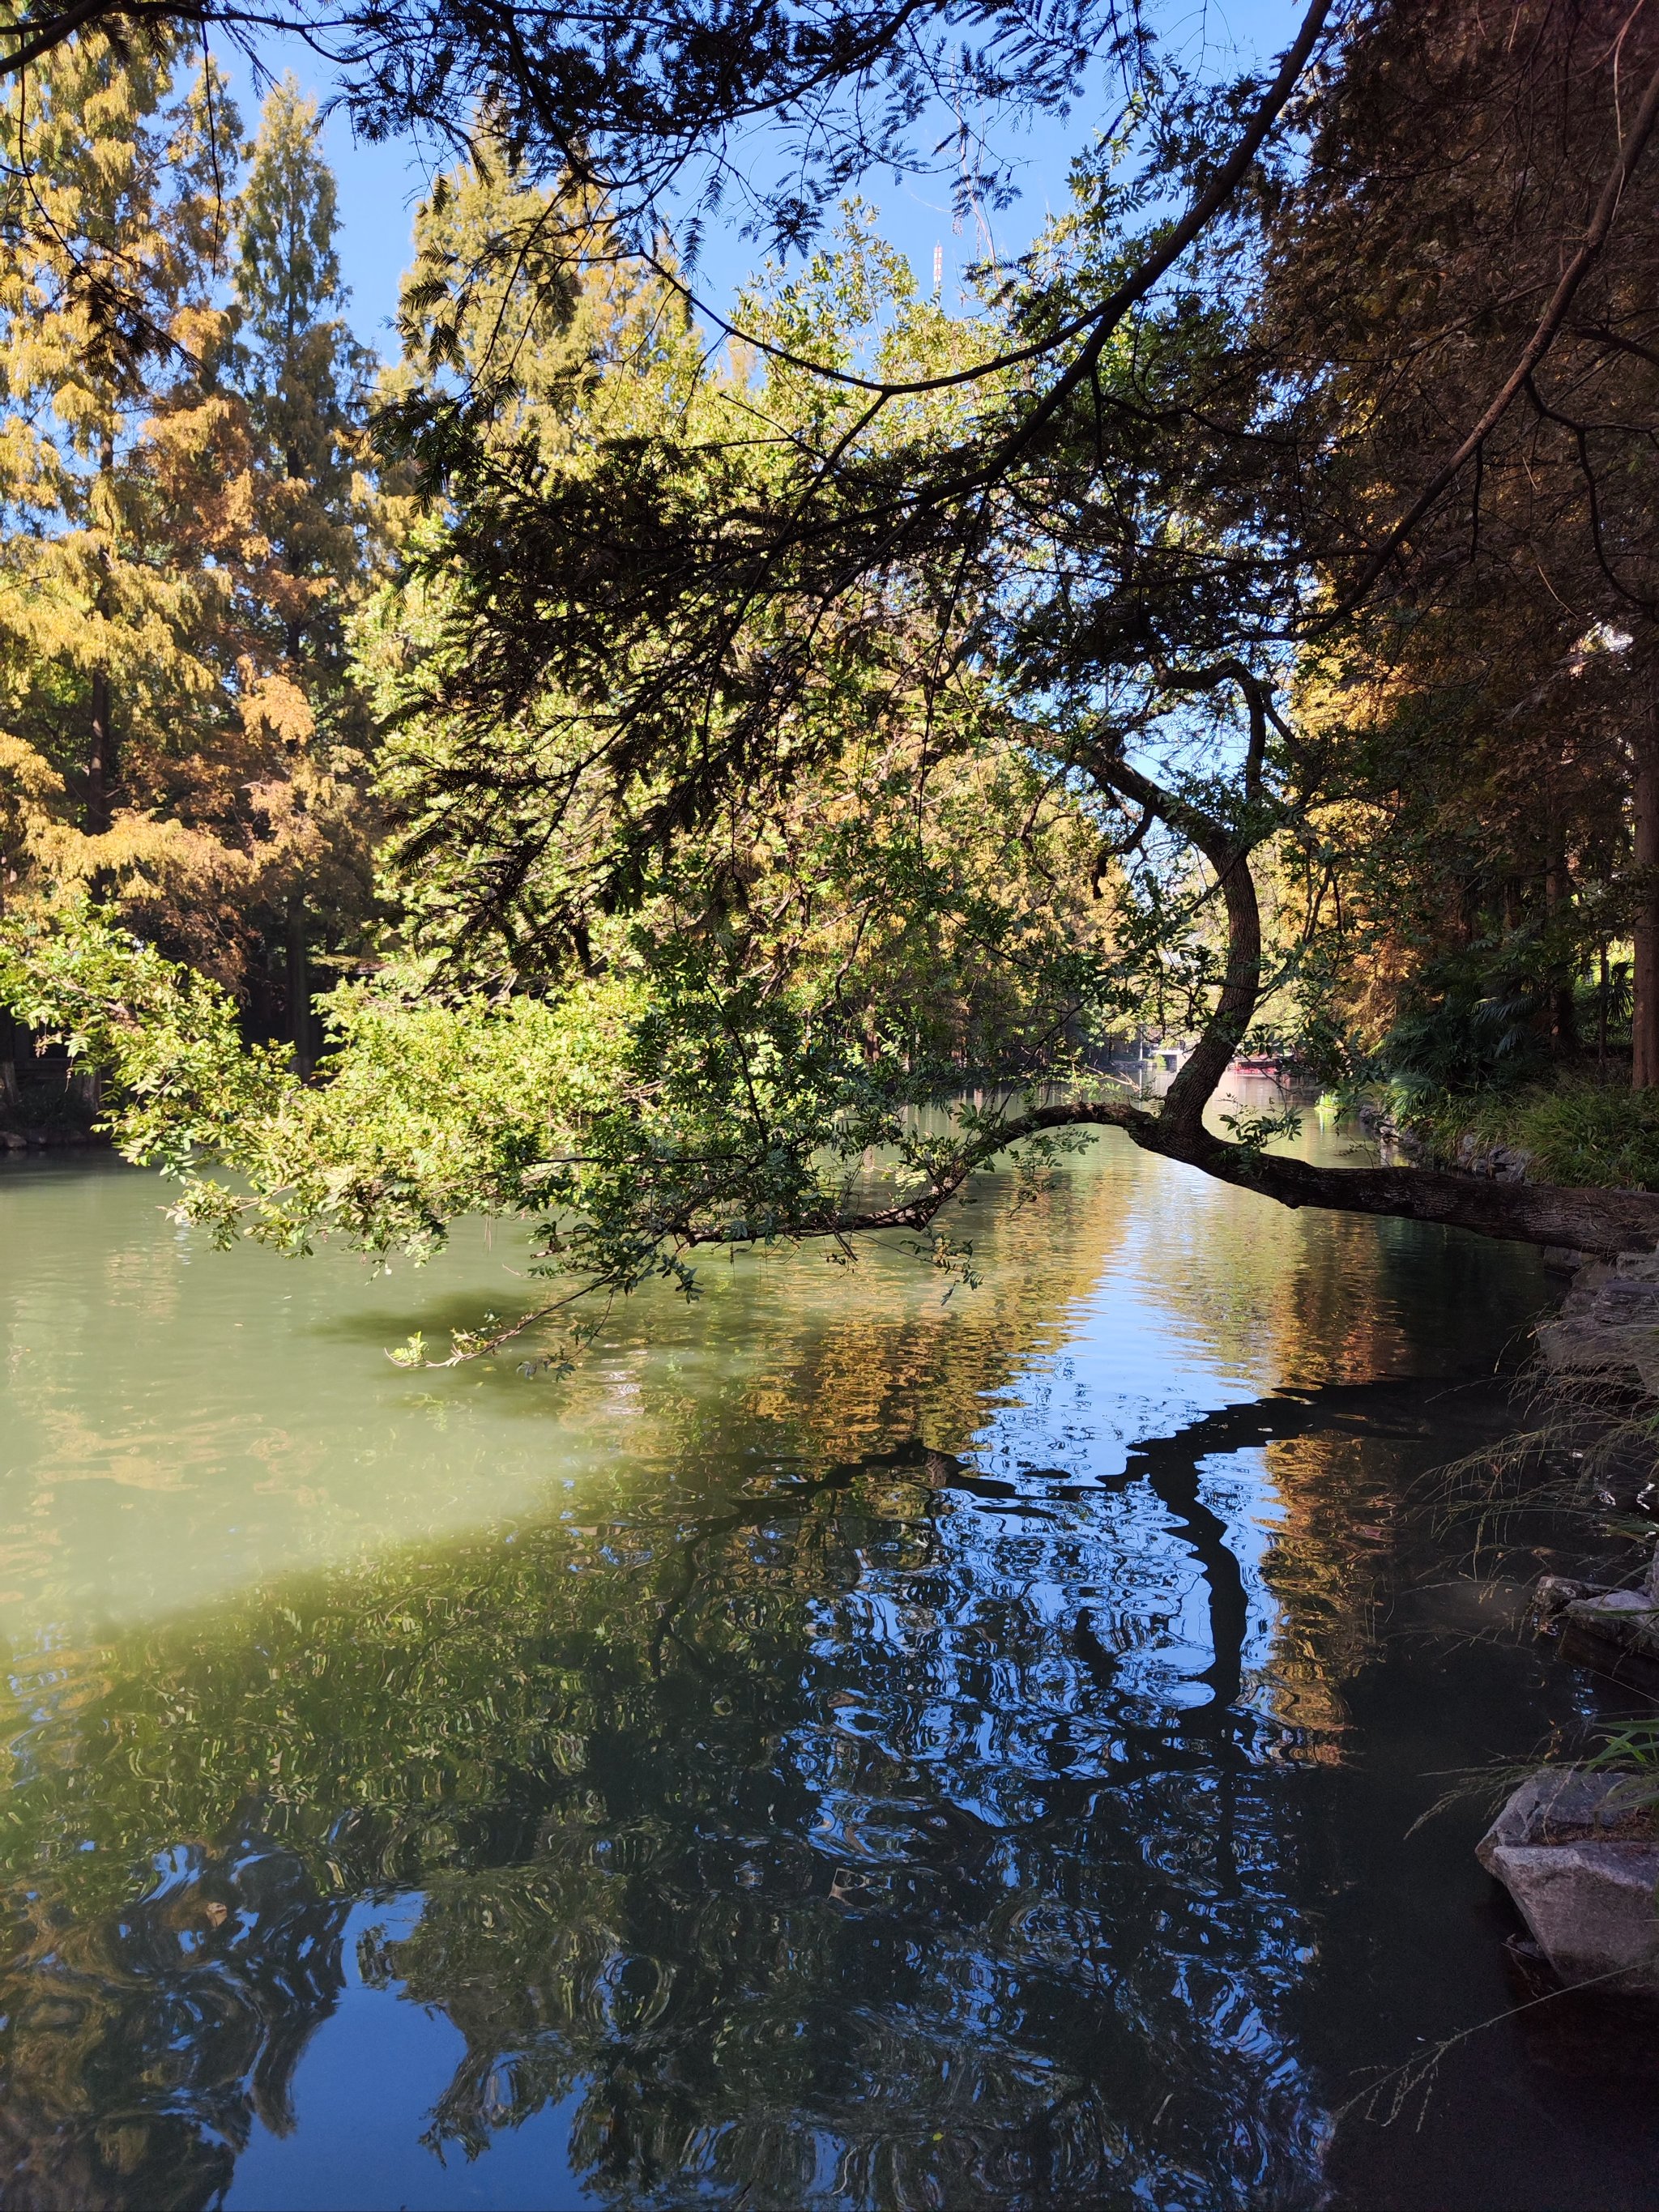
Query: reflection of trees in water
x=1305, y=1298
x=140, y=2046
x=983, y=1924
x=853, y=1361
x=896, y=1835
x=899, y=1833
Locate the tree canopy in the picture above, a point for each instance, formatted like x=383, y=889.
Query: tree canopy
x=1233, y=621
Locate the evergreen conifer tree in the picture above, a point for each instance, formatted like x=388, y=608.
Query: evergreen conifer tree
x=114, y=194
x=185, y=524
x=305, y=382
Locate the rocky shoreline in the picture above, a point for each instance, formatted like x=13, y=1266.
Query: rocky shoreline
x=52, y=1140
x=1578, y=1851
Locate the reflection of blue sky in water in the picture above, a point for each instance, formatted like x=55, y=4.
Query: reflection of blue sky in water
x=365, y=2089
x=1128, y=1368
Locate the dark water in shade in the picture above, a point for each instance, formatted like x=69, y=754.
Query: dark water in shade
x=843, y=1749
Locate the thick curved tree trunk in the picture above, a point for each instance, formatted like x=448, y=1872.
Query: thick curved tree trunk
x=1586, y=1220
x=1241, y=989
x=1597, y=1221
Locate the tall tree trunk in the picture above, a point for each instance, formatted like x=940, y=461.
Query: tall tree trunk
x=101, y=763
x=299, y=985
x=100, y=758
x=260, y=1019
x=1234, y=1009
x=1644, y=928
x=11, y=1093
x=1602, y=985
x=1558, y=892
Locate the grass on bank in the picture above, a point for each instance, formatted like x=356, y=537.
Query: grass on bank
x=1575, y=1130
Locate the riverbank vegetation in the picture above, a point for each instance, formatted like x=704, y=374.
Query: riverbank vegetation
x=619, y=760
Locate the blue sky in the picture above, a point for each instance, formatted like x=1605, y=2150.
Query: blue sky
x=381, y=185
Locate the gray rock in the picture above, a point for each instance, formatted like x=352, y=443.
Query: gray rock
x=1627, y=1618
x=1399, y=1146
x=1552, y=1594
x=1498, y=1163
x=1583, y=1869
x=1608, y=1323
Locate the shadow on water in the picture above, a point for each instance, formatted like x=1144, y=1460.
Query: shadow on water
x=782, y=1823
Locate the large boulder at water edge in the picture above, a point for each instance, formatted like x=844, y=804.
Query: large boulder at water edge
x=1582, y=1864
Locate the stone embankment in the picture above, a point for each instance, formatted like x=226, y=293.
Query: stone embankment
x=47, y=1139
x=1608, y=1322
x=1606, y=1329
x=1578, y=1851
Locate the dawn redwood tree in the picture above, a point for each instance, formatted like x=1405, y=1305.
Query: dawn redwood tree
x=304, y=381
x=1411, y=296
x=172, y=593
x=96, y=640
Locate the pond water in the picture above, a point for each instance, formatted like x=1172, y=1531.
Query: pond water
x=845, y=1747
